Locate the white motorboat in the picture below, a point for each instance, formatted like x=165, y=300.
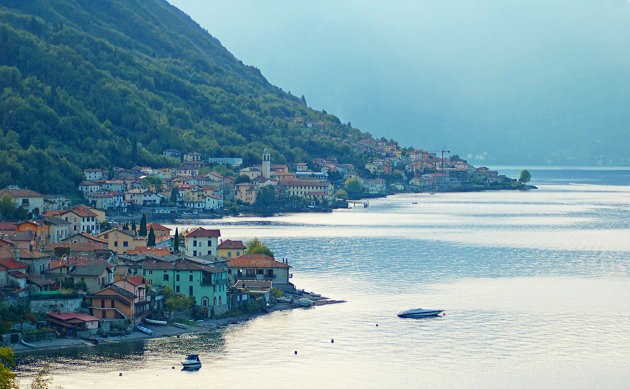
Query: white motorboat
x=419, y=312
x=144, y=330
x=191, y=362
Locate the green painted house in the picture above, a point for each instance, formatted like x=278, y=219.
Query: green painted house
x=207, y=284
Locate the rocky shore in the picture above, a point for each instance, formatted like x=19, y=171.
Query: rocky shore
x=301, y=300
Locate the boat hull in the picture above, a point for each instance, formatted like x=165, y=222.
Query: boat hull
x=420, y=313
x=191, y=365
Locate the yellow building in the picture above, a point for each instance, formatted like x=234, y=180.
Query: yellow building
x=120, y=241
x=231, y=249
x=246, y=193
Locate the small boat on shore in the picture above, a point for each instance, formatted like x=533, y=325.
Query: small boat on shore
x=144, y=330
x=156, y=322
x=419, y=313
x=191, y=362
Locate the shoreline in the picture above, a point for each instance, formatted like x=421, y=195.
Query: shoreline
x=161, y=331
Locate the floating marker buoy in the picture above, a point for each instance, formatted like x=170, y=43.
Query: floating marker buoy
x=444, y=314
x=119, y=374
x=377, y=324
x=172, y=367
x=332, y=341
x=295, y=352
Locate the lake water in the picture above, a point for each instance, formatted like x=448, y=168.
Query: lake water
x=536, y=288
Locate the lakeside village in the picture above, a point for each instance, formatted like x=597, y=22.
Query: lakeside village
x=69, y=270
x=214, y=187
x=61, y=285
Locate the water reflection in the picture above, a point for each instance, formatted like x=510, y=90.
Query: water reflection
x=535, y=286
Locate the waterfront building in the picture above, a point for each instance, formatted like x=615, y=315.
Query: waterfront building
x=259, y=267
x=231, y=249
x=200, y=242
x=124, y=299
x=207, y=284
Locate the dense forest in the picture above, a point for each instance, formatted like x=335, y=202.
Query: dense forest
x=108, y=83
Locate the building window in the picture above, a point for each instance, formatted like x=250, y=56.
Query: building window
x=112, y=304
x=177, y=289
x=125, y=244
x=209, y=252
x=260, y=271
x=195, y=253
x=116, y=244
x=190, y=290
x=190, y=277
x=229, y=254
x=209, y=242
x=165, y=277
x=194, y=243
x=251, y=272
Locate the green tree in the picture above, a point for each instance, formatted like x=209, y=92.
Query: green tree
x=353, y=186
x=7, y=207
x=242, y=178
x=151, y=238
x=341, y=194
x=525, y=176
x=7, y=360
x=143, y=226
x=176, y=240
x=266, y=197
x=174, y=195
x=154, y=183
x=223, y=170
x=133, y=227
x=256, y=246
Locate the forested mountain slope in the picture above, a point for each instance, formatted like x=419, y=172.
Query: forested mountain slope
x=82, y=81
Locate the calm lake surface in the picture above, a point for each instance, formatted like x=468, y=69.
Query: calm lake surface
x=536, y=288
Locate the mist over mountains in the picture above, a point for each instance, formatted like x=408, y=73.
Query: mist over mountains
x=509, y=82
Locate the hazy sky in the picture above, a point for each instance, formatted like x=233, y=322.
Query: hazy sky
x=531, y=80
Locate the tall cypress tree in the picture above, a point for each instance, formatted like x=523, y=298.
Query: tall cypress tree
x=143, y=226
x=176, y=241
x=151, y=238
x=133, y=227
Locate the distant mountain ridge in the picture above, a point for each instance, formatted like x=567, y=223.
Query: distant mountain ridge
x=114, y=83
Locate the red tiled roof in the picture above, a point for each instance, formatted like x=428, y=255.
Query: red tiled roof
x=157, y=251
x=12, y=264
x=66, y=316
x=87, y=236
x=232, y=244
x=255, y=260
x=52, y=213
x=136, y=280
x=200, y=232
x=8, y=226
x=81, y=211
x=18, y=274
x=20, y=193
x=75, y=247
x=157, y=227
x=27, y=254
x=180, y=264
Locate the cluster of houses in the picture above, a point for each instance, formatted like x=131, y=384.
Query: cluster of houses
x=83, y=279
x=195, y=187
